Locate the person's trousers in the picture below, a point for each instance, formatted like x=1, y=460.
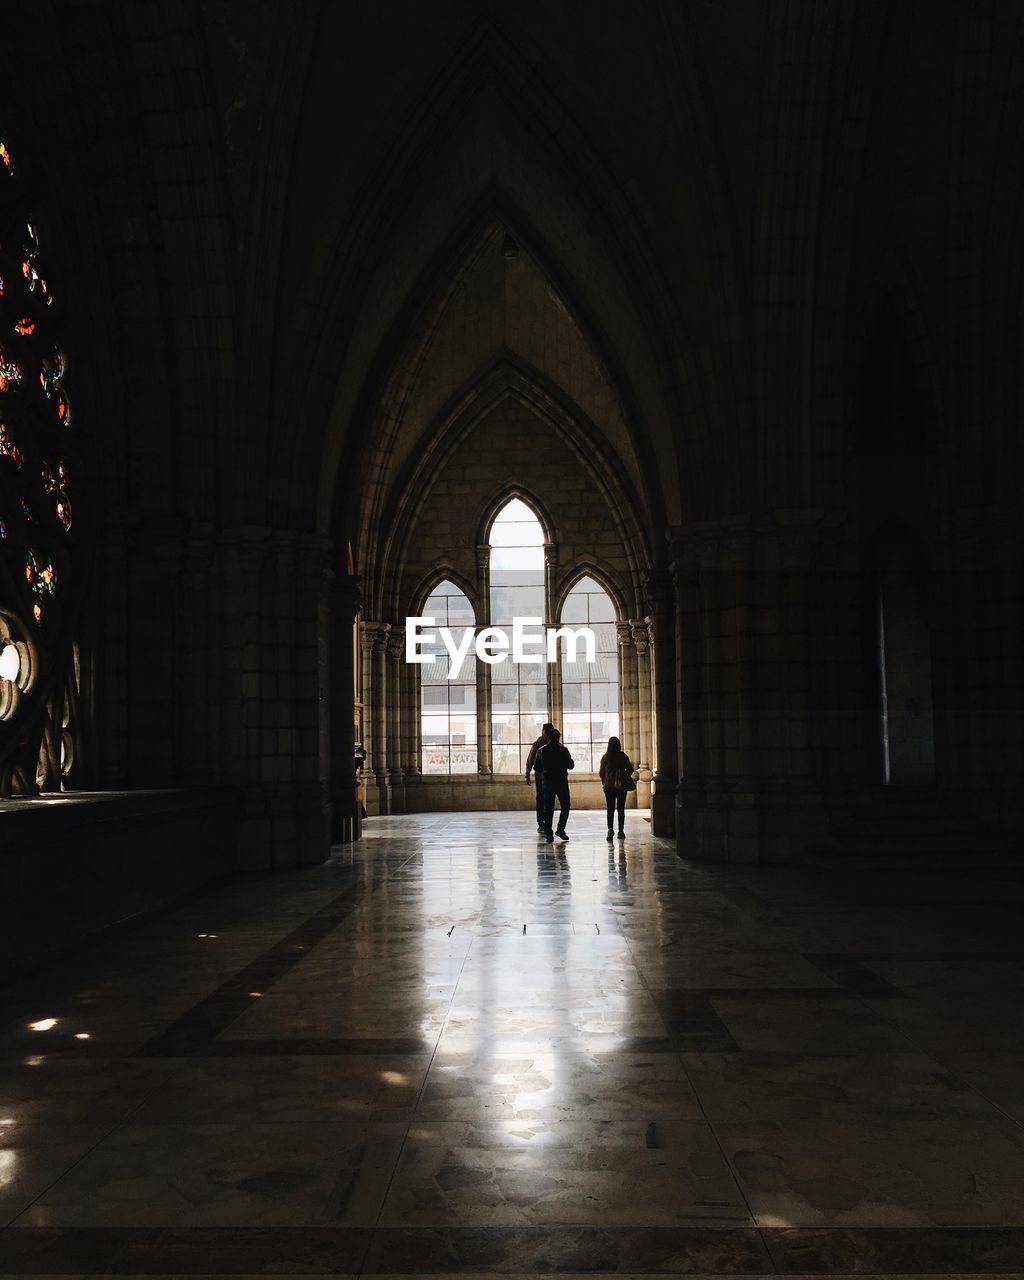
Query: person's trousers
x=559, y=792
x=540, y=799
x=615, y=798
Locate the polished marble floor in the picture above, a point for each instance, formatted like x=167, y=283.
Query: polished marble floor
x=455, y=1050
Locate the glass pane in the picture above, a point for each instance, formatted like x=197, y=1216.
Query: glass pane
x=583, y=755
x=504, y=672
x=464, y=760
x=573, y=695
x=434, y=759
x=576, y=727
x=517, y=558
x=516, y=533
x=575, y=608
x=601, y=608
x=605, y=668
x=604, y=698
x=604, y=634
x=534, y=698
x=463, y=729
x=529, y=727
x=434, y=728
x=435, y=671
x=460, y=612
x=504, y=726
x=506, y=758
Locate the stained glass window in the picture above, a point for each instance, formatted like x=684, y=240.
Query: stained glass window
x=519, y=694
x=36, y=449
x=448, y=740
x=40, y=473
x=590, y=691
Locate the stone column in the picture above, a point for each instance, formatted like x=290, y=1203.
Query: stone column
x=630, y=707
x=749, y=791
x=641, y=643
x=395, y=703
x=108, y=693
x=302, y=678
x=346, y=823
x=155, y=656
x=375, y=772
x=1006, y=681
x=662, y=645
x=552, y=671
x=485, y=751
x=242, y=561
x=200, y=695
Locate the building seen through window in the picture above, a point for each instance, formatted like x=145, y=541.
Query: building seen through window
x=519, y=694
x=590, y=691
x=448, y=742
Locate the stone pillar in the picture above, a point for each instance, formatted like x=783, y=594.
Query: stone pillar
x=346, y=820
x=641, y=643
x=411, y=757
x=243, y=556
x=107, y=640
x=201, y=705
x=553, y=671
x=749, y=791
x=155, y=656
x=629, y=692
x=375, y=772
x=662, y=645
x=485, y=750
x=395, y=703
x=1006, y=681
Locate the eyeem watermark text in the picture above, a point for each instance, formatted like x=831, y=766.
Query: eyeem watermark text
x=493, y=644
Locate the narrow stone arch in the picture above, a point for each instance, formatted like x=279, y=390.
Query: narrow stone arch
x=443, y=438
x=625, y=243
x=583, y=568
x=499, y=500
x=440, y=574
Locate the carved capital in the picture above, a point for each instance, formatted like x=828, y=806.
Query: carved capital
x=641, y=636
x=623, y=634
x=375, y=636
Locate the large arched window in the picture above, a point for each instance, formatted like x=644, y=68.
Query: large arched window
x=590, y=692
x=41, y=472
x=448, y=741
x=519, y=694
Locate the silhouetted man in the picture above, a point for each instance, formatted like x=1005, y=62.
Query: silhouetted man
x=545, y=729
x=553, y=763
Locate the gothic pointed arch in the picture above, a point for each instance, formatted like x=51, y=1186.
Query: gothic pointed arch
x=506, y=392
x=551, y=179
x=440, y=573
x=584, y=567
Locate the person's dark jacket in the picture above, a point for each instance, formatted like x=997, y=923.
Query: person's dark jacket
x=553, y=763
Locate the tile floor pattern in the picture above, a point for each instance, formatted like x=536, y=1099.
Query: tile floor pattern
x=453, y=1050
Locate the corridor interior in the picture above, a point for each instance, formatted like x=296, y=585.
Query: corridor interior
x=451, y=1049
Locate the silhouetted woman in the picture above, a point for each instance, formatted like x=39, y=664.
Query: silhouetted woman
x=616, y=773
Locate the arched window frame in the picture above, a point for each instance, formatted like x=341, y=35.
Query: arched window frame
x=570, y=585
x=526, y=689
x=468, y=681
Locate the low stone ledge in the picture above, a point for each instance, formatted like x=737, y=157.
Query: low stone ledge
x=74, y=864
